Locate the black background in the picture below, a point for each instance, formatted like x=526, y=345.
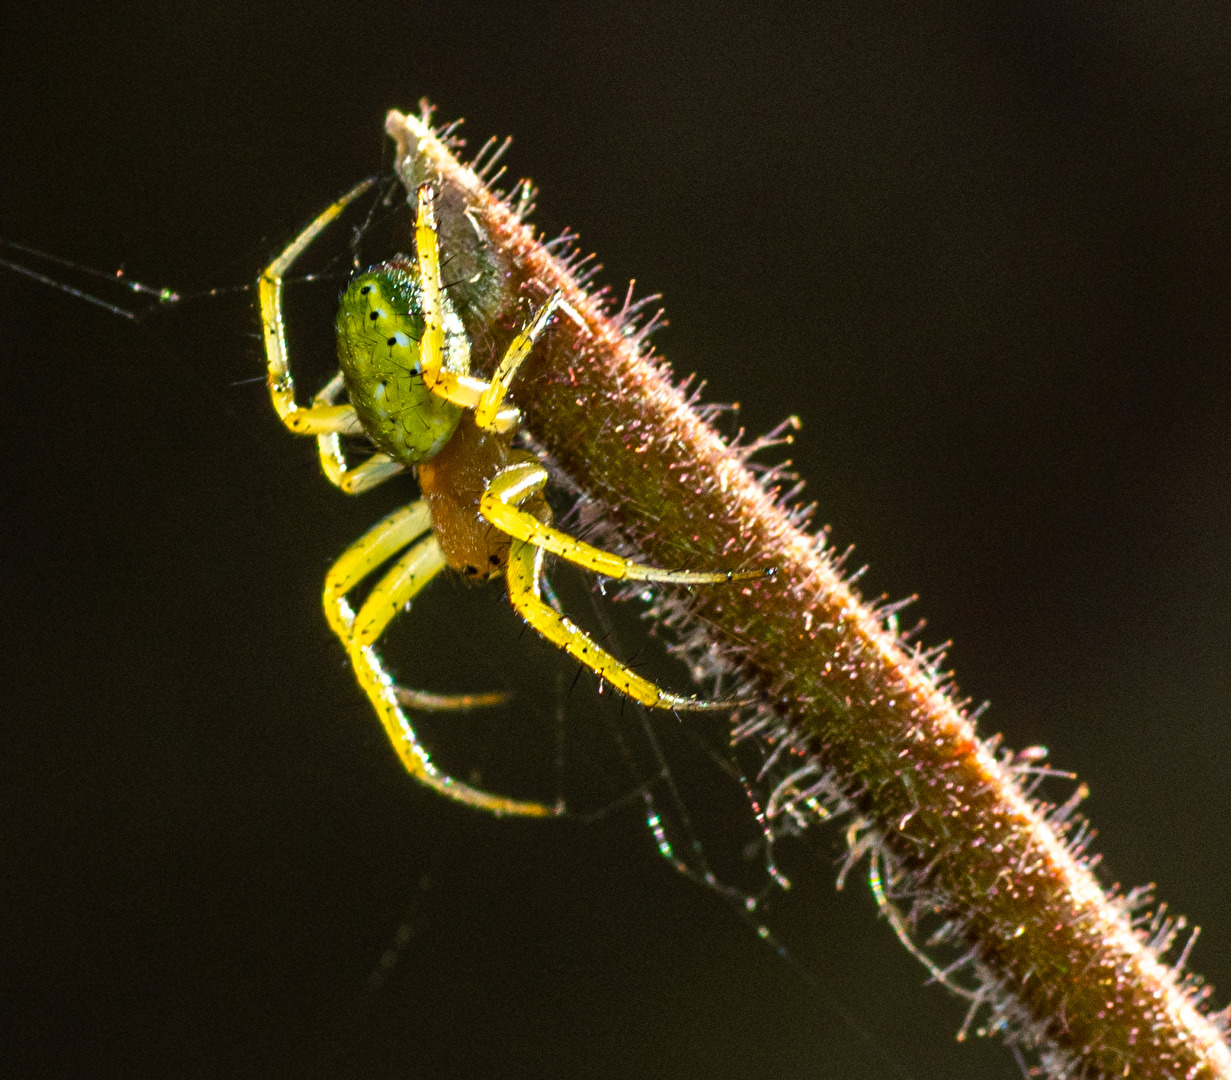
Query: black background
x=983, y=250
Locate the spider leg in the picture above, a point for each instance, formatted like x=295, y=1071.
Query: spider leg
x=523, y=574
x=353, y=480
x=500, y=504
x=316, y=419
x=382, y=541
x=360, y=631
x=488, y=413
x=463, y=390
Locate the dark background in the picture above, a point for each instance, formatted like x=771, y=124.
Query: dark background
x=983, y=250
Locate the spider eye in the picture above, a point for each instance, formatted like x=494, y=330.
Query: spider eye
x=365, y=290
x=374, y=316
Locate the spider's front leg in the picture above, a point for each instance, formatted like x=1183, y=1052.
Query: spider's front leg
x=352, y=479
x=501, y=505
x=421, y=560
x=324, y=418
x=319, y=418
x=486, y=399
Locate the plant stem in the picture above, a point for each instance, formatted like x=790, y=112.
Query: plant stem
x=1066, y=969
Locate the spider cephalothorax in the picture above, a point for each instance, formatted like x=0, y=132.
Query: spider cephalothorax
x=404, y=362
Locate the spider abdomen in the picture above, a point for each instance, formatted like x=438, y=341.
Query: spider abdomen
x=380, y=326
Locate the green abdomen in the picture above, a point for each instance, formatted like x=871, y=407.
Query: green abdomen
x=379, y=328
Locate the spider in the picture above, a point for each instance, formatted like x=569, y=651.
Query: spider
x=404, y=363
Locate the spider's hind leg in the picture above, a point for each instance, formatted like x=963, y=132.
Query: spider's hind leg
x=422, y=560
x=525, y=594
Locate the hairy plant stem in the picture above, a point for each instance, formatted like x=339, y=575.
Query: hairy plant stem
x=1063, y=966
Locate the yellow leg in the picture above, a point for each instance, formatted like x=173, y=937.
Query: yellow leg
x=353, y=480
x=315, y=419
x=425, y=701
x=359, y=633
x=524, y=570
x=488, y=413
x=510, y=487
x=401, y=584
x=427, y=244
x=379, y=544
x=463, y=390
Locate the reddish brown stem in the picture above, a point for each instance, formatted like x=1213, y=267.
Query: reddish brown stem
x=942, y=817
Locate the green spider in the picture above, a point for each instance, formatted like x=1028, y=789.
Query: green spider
x=404, y=361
